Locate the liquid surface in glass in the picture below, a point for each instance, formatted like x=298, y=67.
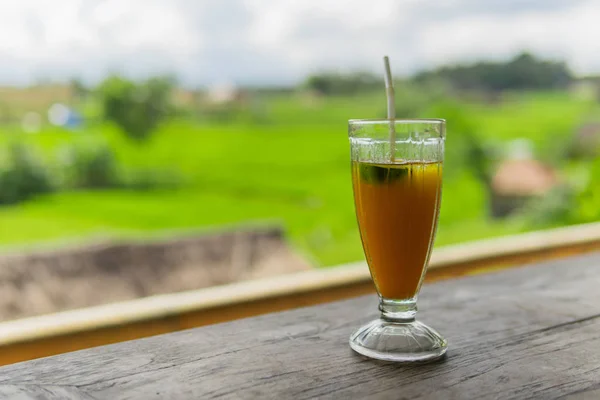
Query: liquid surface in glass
x=397, y=206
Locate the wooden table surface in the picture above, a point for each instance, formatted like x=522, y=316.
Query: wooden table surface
x=531, y=332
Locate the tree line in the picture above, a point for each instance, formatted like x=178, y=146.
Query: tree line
x=524, y=71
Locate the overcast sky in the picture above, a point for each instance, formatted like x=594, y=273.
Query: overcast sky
x=280, y=41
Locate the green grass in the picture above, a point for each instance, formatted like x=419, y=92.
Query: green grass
x=542, y=117
x=292, y=168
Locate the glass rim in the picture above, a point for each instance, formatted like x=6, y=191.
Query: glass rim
x=374, y=121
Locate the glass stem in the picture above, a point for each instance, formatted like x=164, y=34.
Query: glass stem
x=398, y=311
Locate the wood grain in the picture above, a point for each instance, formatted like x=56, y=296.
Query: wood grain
x=26, y=392
x=521, y=333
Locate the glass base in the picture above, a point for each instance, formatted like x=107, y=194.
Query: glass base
x=409, y=341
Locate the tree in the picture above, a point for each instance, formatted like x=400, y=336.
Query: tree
x=524, y=71
x=466, y=149
x=137, y=108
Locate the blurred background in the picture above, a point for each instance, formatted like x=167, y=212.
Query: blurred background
x=155, y=146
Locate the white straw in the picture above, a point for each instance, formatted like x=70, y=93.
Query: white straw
x=391, y=107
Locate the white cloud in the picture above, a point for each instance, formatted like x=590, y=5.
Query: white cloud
x=565, y=34
x=260, y=41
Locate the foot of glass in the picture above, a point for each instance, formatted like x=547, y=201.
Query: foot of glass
x=409, y=341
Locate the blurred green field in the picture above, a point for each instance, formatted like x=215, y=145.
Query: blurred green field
x=290, y=166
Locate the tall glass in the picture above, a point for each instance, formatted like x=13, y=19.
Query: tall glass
x=397, y=180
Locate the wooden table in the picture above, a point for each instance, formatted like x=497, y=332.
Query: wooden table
x=531, y=332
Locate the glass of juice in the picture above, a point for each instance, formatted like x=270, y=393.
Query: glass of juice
x=397, y=179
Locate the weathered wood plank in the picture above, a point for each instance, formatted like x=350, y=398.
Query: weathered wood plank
x=530, y=332
x=35, y=392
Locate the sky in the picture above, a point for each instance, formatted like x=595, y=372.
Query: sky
x=204, y=42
